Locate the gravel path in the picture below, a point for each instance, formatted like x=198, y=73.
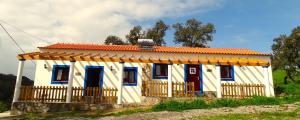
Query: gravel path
x=204, y=112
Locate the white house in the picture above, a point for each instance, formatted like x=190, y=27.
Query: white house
x=126, y=67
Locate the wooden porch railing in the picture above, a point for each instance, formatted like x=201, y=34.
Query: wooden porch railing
x=160, y=89
x=235, y=90
x=54, y=94
x=181, y=89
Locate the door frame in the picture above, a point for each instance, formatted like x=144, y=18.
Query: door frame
x=101, y=77
x=200, y=77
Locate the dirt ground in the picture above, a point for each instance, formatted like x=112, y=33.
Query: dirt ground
x=188, y=114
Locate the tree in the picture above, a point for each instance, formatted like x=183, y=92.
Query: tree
x=134, y=34
x=193, y=33
x=114, y=40
x=157, y=33
x=286, y=54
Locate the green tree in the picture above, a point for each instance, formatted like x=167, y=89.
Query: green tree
x=134, y=34
x=193, y=33
x=286, y=54
x=157, y=33
x=114, y=40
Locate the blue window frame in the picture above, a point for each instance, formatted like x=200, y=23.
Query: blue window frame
x=130, y=76
x=227, y=73
x=60, y=74
x=160, y=71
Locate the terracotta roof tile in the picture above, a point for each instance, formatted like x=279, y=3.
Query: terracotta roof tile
x=230, y=51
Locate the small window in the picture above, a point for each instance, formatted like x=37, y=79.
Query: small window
x=227, y=73
x=130, y=76
x=160, y=71
x=60, y=74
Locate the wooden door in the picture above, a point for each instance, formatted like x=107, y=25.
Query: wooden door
x=193, y=75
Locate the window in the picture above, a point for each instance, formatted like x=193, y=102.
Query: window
x=130, y=76
x=60, y=74
x=160, y=71
x=227, y=73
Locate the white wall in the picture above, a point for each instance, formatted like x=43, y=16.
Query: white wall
x=244, y=74
x=110, y=78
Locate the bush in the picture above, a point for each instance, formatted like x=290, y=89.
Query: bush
x=200, y=104
x=179, y=106
x=225, y=103
x=260, y=100
x=291, y=89
x=3, y=107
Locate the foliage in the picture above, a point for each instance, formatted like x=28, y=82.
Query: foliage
x=134, y=34
x=3, y=107
x=193, y=33
x=259, y=100
x=114, y=40
x=286, y=55
x=200, y=104
x=7, y=86
x=225, y=103
x=179, y=106
x=157, y=33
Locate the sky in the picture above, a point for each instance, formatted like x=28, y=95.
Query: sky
x=250, y=24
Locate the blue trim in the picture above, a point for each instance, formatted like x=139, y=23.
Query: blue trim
x=135, y=76
x=265, y=66
x=232, y=75
x=185, y=74
x=154, y=70
x=200, y=77
x=100, y=77
x=53, y=74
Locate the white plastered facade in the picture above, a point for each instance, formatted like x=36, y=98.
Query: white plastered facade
x=132, y=94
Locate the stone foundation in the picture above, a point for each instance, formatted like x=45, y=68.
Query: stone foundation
x=19, y=108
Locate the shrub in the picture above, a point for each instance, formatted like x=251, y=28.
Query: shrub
x=260, y=100
x=3, y=107
x=179, y=106
x=225, y=103
x=291, y=89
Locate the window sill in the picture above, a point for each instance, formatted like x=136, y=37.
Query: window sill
x=227, y=79
x=160, y=77
x=54, y=82
x=129, y=84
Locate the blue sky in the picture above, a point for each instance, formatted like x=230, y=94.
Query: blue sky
x=248, y=24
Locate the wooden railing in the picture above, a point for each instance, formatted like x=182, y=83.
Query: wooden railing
x=94, y=95
x=160, y=89
x=54, y=94
x=155, y=88
x=235, y=90
x=181, y=89
x=43, y=93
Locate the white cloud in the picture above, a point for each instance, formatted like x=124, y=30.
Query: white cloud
x=82, y=21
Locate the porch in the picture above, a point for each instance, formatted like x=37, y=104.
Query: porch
x=166, y=88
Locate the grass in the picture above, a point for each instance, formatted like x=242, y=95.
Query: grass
x=278, y=77
x=256, y=116
x=200, y=104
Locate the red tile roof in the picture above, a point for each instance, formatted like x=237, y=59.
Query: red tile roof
x=230, y=51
